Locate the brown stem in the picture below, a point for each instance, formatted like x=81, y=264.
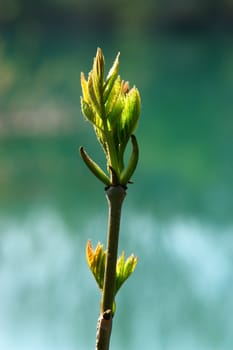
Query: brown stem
x=115, y=196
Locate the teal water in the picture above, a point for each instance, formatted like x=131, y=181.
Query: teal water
x=177, y=216
x=180, y=296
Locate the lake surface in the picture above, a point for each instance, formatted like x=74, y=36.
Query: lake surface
x=180, y=296
x=177, y=215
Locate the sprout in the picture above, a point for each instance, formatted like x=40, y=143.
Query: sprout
x=113, y=109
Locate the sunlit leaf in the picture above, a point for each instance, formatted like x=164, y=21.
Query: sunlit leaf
x=124, y=269
x=93, y=95
x=84, y=88
x=114, y=96
x=98, y=67
x=129, y=116
x=96, y=262
x=111, y=77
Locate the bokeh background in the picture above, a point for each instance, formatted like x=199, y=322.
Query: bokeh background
x=178, y=213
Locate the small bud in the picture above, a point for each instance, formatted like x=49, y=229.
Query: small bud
x=98, y=66
x=125, y=87
x=130, y=115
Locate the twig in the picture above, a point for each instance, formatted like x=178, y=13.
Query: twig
x=115, y=196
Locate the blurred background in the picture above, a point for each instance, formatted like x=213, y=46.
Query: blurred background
x=178, y=213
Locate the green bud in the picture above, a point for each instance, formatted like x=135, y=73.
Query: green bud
x=130, y=115
x=98, y=66
x=113, y=109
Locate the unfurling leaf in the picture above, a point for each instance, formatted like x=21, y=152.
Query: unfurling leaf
x=111, y=77
x=96, y=262
x=124, y=269
x=114, y=97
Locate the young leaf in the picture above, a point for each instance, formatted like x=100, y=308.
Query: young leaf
x=130, y=115
x=95, y=169
x=129, y=170
x=124, y=269
x=96, y=261
x=111, y=77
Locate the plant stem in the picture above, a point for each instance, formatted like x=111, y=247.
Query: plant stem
x=115, y=196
